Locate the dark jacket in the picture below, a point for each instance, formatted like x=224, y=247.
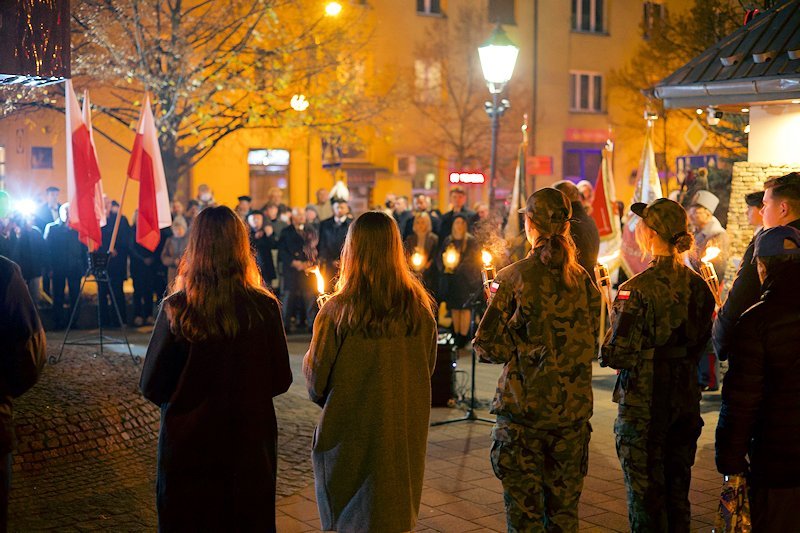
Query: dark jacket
x=745, y=292
x=291, y=247
x=30, y=252
x=263, y=247
x=436, y=223
x=331, y=239
x=584, y=232
x=22, y=355
x=446, y=225
x=760, y=414
x=217, y=447
x=141, y=259
x=66, y=253
x=118, y=264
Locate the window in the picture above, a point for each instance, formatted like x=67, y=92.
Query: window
x=429, y=7
x=652, y=16
x=427, y=81
x=588, y=16
x=502, y=12
x=582, y=161
x=586, y=92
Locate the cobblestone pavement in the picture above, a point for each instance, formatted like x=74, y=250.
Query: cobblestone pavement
x=86, y=458
x=87, y=443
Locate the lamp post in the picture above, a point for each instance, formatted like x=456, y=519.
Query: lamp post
x=498, y=55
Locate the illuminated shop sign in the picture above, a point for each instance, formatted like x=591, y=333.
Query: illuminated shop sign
x=467, y=178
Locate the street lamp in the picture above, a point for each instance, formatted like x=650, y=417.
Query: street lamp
x=498, y=56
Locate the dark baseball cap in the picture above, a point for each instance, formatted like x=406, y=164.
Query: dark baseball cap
x=548, y=206
x=664, y=216
x=772, y=242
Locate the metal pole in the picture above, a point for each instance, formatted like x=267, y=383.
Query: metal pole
x=493, y=161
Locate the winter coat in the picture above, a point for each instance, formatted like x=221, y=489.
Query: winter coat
x=117, y=264
x=370, y=443
x=30, y=252
x=584, y=232
x=760, y=414
x=217, y=447
x=66, y=253
x=171, y=254
x=745, y=292
x=22, y=355
x=291, y=247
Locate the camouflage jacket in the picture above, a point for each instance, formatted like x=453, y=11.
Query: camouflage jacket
x=546, y=336
x=660, y=324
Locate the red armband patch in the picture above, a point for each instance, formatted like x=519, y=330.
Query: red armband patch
x=623, y=295
x=493, y=287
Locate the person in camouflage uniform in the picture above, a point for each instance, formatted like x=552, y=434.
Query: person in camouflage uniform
x=542, y=324
x=660, y=323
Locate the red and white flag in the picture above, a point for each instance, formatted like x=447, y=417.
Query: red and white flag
x=99, y=207
x=83, y=175
x=147, y=168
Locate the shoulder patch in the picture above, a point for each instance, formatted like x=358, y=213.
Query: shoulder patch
x=623, y=295
x=494, y=286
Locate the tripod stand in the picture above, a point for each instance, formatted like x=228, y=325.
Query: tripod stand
x=98, y=270
x=475, y=300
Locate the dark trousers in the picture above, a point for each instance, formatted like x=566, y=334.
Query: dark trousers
x=774, y=510
x=60, y=281
x=107, y=313
x=298, y=303
x=143, y=288
x=5, y=485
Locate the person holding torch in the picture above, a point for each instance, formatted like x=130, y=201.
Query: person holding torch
x=660, y=324
x=542, y=325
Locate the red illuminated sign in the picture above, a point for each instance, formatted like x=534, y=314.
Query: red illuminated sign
x=467, y=178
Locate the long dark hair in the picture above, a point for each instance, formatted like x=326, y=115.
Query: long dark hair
x=216, y=270
x=556, y=250
x=377, y=294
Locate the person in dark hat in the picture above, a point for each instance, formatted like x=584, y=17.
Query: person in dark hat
x=244, y=207
x=542, y=325
x=582, y=227
x=660, y=324
x=758, y=432
x=781, y=207
x=754, y=202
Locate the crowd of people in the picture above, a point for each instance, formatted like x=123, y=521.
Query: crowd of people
x=218, y=355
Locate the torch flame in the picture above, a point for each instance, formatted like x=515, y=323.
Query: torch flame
x=320, y=279
x=711, y=253
x=486, y=256
x=417, y=259
x=606, y=259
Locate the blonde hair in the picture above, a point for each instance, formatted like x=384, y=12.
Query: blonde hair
x=557, y=251
x=377, y=295
x=644, y=236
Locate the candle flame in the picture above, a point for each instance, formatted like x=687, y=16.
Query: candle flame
x=711, y=253
x=320, y=279
x=451, y=257
x=417, y=259
x=486, y=256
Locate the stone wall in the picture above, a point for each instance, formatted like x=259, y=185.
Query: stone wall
x=747, y=177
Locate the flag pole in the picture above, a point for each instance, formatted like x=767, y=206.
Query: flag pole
x=113, y=243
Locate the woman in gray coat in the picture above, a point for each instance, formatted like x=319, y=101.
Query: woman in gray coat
x=369, y=366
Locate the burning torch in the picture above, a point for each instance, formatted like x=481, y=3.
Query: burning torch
x=488, y=272
x=451, y=257
x=417, y=260
x=603, y=278
x=709, y=273
x=323, y=296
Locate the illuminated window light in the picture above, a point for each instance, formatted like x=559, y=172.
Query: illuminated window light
x=796, y=101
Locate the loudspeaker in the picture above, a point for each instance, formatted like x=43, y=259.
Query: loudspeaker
x=443, y=379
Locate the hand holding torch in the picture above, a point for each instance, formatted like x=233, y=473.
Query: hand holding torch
x=709, y=273
x=323, y=296
x=603, y=278
x=487, y=273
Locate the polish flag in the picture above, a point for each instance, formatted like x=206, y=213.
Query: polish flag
x=99, y=206
x=83, y=175
x=147, y=168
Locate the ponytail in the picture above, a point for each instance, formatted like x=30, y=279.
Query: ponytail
x=557, y=252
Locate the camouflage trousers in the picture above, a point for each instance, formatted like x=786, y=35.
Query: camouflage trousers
x=656, y=450
x=542, y=474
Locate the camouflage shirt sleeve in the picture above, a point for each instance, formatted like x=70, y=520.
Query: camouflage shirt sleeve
x=623, y=343
x=493, y=341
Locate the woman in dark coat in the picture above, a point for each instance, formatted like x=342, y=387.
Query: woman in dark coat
x=216, y=359
x=461, y=282
x=421, y=247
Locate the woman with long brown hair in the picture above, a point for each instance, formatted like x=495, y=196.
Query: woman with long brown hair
x=542, y=324
x=369, y=367
x=216, y=359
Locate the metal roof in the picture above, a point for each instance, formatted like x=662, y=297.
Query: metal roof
x=759, y=62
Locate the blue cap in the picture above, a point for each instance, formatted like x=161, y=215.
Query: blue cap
x=772, y=242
